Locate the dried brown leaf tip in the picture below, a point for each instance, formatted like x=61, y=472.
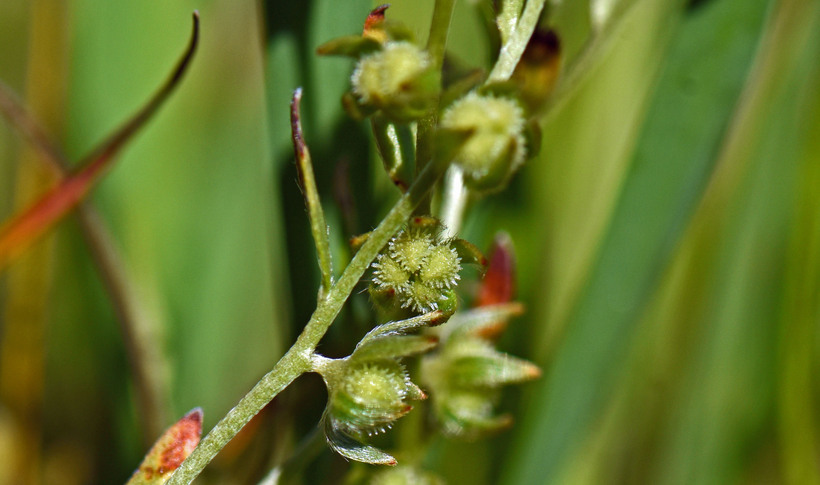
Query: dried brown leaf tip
x=169, y=451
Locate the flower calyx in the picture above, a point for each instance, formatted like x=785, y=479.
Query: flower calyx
x=466, y=372
x=393, y=76
x=488, y=133
x=370, y=389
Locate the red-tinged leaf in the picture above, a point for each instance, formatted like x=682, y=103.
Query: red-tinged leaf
x=373, y=23
x=24, y=228
x=498, y=285
x=169, y=451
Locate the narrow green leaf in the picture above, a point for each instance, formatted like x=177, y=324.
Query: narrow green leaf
x=314, y=206
x=394, y=346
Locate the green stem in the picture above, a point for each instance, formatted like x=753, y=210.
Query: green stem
x=454, y=201
x=439, y=28
x=436, y=45
x=297, y=360
x=512, y=50
x=508, y=18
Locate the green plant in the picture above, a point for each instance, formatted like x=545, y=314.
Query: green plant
x=413, y=265
x=667, y=232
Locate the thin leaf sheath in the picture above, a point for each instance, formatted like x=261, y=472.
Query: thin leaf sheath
x=26, y=227
x=307, y=181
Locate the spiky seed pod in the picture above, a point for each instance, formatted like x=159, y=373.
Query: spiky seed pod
x=369, y=389
x=411, y=248
x=370, y=398
x=496, y=147
x=441, y=268
x=416, y=270
x=397, y=80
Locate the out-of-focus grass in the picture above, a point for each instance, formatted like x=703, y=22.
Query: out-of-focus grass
x=666, y=235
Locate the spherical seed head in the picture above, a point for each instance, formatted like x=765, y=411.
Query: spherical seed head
x=417, y=270
x=389, y=273
x=496, y=147
x=422, y=296
x=441, y=267
x=375, y=385
x=371, y=397
x=385, y=73
x=410, y=249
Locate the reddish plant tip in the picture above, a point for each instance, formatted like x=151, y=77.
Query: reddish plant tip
x=172, y=448
x=534, y=372
x=375, y=17
x=184, y=438
x=498, y=285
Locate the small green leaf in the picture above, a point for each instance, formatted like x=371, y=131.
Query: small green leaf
x=468, y=415
x=479, y=321
x=401, y=327
x=491, y=370
x=394, y=346
x=395, y=144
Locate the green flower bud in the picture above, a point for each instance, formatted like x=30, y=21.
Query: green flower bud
x=495, y=148
x=398, y=79
x=368, y=390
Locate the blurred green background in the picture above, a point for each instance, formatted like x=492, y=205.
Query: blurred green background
x=667, y=235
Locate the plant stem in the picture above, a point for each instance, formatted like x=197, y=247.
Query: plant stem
x=454, y=202
x=307, y=181
x=145, y=358
x=508, y=17
x=297, y=360
x=439, y=28
x=512, y=50
x=436, y=45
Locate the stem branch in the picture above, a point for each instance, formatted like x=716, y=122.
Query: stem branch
x=297, y=360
